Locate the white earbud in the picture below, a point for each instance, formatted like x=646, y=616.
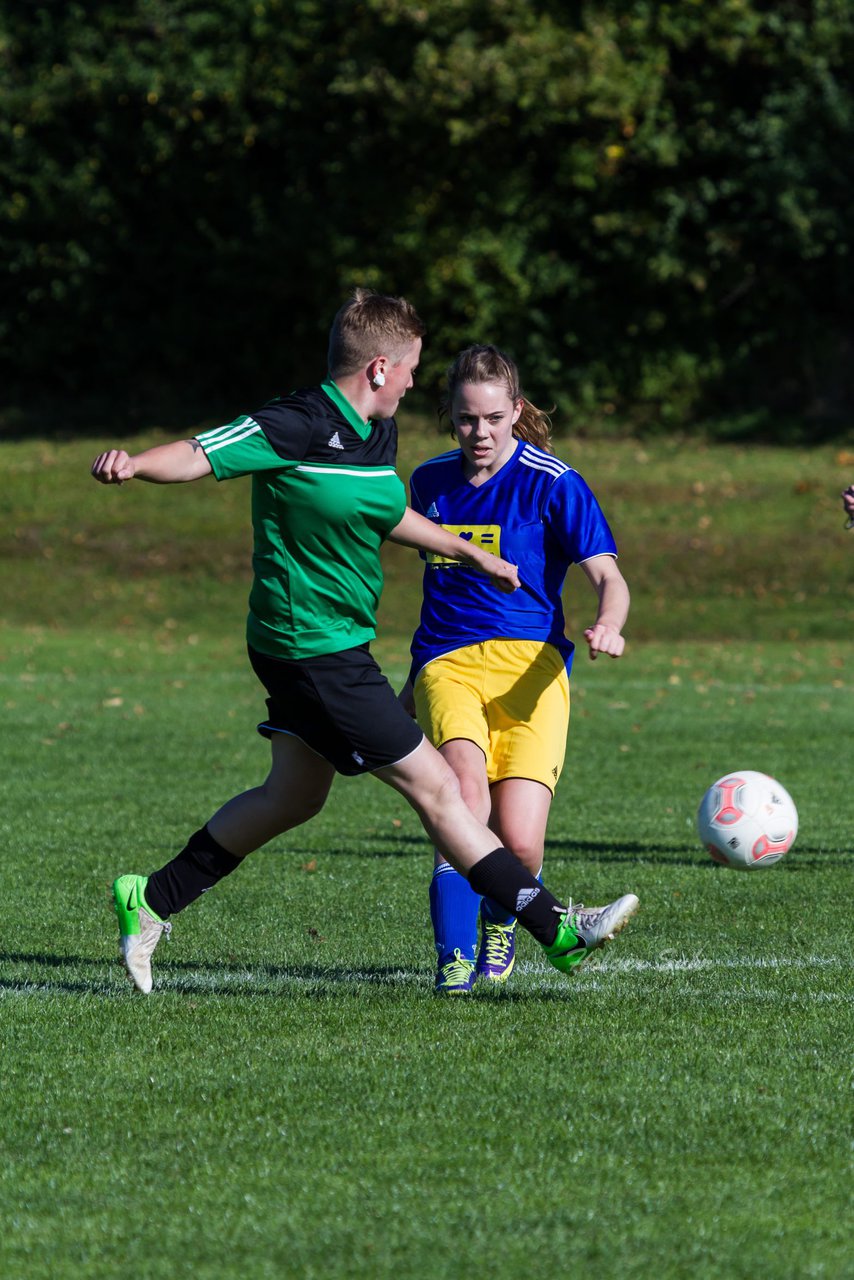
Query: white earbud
x=379, y=378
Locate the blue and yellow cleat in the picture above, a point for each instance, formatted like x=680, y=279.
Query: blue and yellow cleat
x=455, y=976
x=497, y=954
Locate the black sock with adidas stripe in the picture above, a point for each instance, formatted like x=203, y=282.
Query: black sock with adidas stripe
x=200, y=865
x=500, y=875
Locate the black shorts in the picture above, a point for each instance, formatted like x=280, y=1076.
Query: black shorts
x=341, y=705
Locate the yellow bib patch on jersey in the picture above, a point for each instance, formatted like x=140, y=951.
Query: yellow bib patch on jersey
x=485, y=536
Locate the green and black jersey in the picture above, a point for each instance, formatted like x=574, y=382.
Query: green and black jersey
x=325, y=494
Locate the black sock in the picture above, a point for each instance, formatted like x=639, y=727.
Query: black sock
x=200, y=865
x=502, y=876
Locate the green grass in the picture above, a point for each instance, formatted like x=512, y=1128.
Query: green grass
x=292, y=1100
x=716, y=542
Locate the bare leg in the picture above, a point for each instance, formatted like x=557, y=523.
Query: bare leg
x=454, y=905
x=468, y=763
x=431, y=787
x=516, y=809
x=294, y=791
x=520, y=812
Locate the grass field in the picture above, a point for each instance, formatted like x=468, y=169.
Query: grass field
x=292, y=1100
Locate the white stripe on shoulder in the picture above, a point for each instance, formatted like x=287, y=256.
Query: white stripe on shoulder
x=210, y=443
x=230, y=428
x=539, y=460
x=214, y=433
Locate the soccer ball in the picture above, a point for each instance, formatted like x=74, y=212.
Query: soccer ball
x=747, y=820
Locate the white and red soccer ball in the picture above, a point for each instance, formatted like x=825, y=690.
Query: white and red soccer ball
x=747, y=820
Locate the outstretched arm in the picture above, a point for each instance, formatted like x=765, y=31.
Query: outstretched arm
x=605, y=636
x=416, y=531
x=164, y=464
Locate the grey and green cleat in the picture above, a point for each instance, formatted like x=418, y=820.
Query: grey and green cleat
x=455, y=975
x=140, y=929
x=582, y=929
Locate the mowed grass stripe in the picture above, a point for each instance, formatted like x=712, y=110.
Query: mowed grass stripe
x=535, y=977
x=293, y=1100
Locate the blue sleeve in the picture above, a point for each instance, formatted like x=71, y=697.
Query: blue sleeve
x=415, y=499
x=576, y=521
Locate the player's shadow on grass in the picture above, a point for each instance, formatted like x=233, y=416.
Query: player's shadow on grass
x=804, y=857
x=24, y=983
x=626, y=853
x=191, y=979
x=188, y=977
x=632, y=852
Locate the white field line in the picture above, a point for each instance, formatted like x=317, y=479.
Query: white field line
x=537, y=975
x=696, y=964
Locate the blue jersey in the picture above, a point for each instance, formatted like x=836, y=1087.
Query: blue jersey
x=535, y=512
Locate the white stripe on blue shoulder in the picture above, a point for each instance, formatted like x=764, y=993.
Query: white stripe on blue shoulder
x=539, y=460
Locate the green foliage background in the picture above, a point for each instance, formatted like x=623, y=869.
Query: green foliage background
x=647, y=204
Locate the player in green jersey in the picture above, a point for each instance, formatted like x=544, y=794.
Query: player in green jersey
x=325, y=495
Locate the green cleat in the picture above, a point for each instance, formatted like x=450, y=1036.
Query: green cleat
x=583, y=929
x=140, y=929
x=456, y=976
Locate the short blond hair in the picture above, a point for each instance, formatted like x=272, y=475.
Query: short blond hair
x=371, y=324
x=481, y=363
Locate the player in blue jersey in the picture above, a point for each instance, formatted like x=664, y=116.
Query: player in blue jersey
x=490, y=673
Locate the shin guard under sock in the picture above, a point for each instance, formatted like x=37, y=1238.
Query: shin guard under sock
x=502, y=876
x=453, y=910
x=494, y=913
x=200, y=865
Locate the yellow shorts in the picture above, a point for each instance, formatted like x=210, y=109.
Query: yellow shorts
x=509, y=697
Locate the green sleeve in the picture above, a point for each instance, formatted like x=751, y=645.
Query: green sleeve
x=239, y=449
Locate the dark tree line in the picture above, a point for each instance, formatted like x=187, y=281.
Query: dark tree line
x=649, y=205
